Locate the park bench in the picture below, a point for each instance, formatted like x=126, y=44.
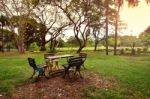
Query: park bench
x=73, y=62
x=84, y=57
x=40, y=69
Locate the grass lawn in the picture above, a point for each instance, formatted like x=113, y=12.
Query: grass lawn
x=131, y=73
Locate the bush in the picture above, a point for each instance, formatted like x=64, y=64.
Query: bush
x=33, y=47
x=127, y=49
x=122, y=51
x=133, y=51
x=139, y=50
x=145, y=50
x=110, y=50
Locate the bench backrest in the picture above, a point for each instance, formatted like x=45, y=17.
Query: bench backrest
x=32, y=62
x=75, y=61
x=48, y=54
x=83, y=55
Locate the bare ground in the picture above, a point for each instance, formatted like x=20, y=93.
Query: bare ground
x=59, y=88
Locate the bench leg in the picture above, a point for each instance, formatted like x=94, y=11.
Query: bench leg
x=56, y=66
x=32, y=74
x=44, y=74
x=66, y=73
x=78, y=72
x=84, y=66
x=50, y=65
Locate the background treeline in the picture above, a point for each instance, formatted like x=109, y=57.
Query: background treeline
x=41, y=24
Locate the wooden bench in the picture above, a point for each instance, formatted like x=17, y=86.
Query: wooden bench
x=84, y=56
x=73, y=62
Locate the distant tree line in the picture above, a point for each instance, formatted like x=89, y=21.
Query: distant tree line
x=28, y=22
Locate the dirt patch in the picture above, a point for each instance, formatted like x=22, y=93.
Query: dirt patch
x=59, y=88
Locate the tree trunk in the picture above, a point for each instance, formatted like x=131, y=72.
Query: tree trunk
x=43, y=48
x=8, y=48
x=95, y=46
x=54, y=45
x=80, y=44
x=43, y=42
x=80, y=49
x=51, y=45
x=116, y=35
x=2, y=47
x=21, y=47
x=116, y=30
x=106, y=39
x=27, y=46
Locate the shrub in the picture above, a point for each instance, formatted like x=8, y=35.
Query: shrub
x=139, y=50
x=133, y=51
x=145, y=50
x=122, y=51
x=110, y=50
x=33, y=47
x=127, y=49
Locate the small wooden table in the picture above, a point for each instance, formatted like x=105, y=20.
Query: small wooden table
x=57, y=57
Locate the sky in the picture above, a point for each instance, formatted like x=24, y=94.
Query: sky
x=137, y=18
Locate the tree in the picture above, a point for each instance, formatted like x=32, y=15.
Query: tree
x=111, y=41
x=97, y=38
x=8, y=39
x=118, y=4
x=145, y=37
x=71, y=41
x=31, y=32
x=127, y=41
x=77, y=12
x=51, y=23
x=47, y=17
x=3, y=22
x=22, y=8
x=97, y=21
x=56, y=34
x=108, y=18
x=106, y=22
x=61, y=43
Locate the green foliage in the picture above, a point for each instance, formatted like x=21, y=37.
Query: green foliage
x=127, y=49
x=72, y=41
x=61, y=43
x=30, y=25
x=145, y=37
x=145, y=49
x=4, y=20
x=133, y=51
x=111, y=40
x=90, y=43
x=139, y=50
x=34, y=47
x=122, y=51
x=129, y=40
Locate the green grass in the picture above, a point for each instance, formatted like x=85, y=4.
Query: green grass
x=131, y=73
